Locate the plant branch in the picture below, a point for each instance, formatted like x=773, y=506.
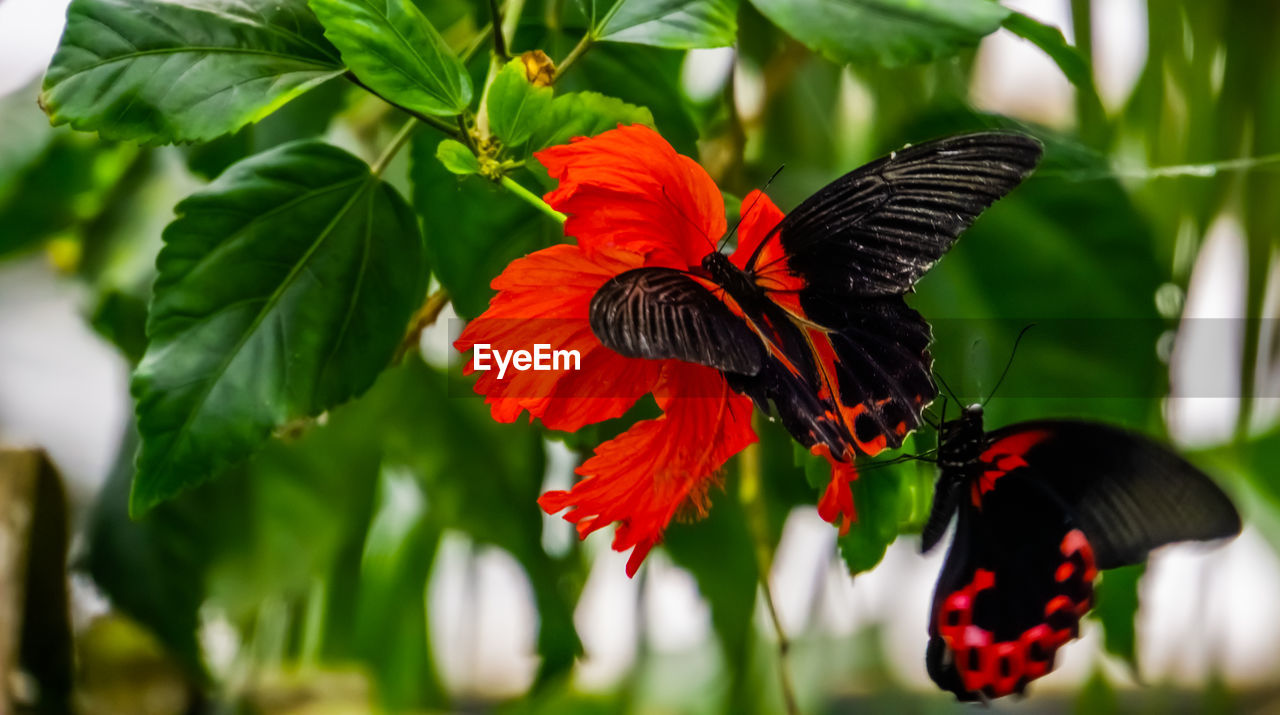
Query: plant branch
x=578, y=51
x=499, y=42
x=511, y=21
x=476, y=43
x=434, y=122
x=401, y=138
x=466, y=137
x=750, y=491
x=531, y=198
x=423, y=319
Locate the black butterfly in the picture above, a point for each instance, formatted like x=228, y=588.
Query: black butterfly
x=816, y=323
x=1043, y=506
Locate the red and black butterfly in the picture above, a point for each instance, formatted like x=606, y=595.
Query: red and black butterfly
x=1042, y=507
x=816, y=323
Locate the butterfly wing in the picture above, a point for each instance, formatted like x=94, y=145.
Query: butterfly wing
x=862, y=381
x=661, y=313
x=877, y=229
x=840, y=262
x=1049, y=503
x=1129, y=493
x=1017, y=580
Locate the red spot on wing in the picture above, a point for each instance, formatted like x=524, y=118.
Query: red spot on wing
x=1075, y=544
x=1014, y=445
x=1003, y=456
x=773, y=270
x=824, y=354
x=996, y=668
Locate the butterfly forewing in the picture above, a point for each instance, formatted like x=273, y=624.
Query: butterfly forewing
x=1129, y=493
x=877, y=229
x=661, y=313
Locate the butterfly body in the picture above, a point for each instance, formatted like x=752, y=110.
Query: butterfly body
x=813, y=326
x=1041, y=507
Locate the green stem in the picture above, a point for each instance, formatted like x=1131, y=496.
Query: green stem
x=317, y=606
x=466, y=135
x=499, y=43
x=578, y=50
x=511, y=21
x=531, y=198
x=402, y=137
x=1091, y=117
x=476, y=43
x=751, y=493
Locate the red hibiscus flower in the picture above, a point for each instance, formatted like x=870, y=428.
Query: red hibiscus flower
x=631, y=201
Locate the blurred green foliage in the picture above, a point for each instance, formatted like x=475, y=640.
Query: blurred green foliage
x=314, y=549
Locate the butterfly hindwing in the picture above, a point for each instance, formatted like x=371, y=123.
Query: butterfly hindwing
x=880, y=365
x=860, y=380
x=877, y=229
x=661, y=313
x=1042, y=507
x=1127, y=492
x=1017, y=580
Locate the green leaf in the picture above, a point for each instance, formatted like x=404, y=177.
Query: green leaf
x=885, y=32
x=583, y=114
x=283, y=289
x=1074, y=65
x=394, y=50
x=300, y=508
x=457, y=158
x=500, y=227
x=1097, y=697
x=442, y=439
x=677, y=24
x=71, y=184
x=392, y=632
x=646, y=77
x=878, y=497
x=516, y=105
x=1116, y=608
x=306, y=117
x=25, y=138
x=152, y=570
x=163, y=71
x=888, y=501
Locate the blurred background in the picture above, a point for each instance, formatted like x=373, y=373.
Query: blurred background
x=393, y=559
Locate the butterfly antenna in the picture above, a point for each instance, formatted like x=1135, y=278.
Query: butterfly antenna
x=925, y=456
x=743, y=215
x=945, y=386
x=1008, y=364
x=688, y=220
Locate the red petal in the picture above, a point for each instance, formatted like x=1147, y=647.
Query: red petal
x=759, y=216
x=543, y=298
x=837, y=500
x=641, y=478
x=628, y=187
